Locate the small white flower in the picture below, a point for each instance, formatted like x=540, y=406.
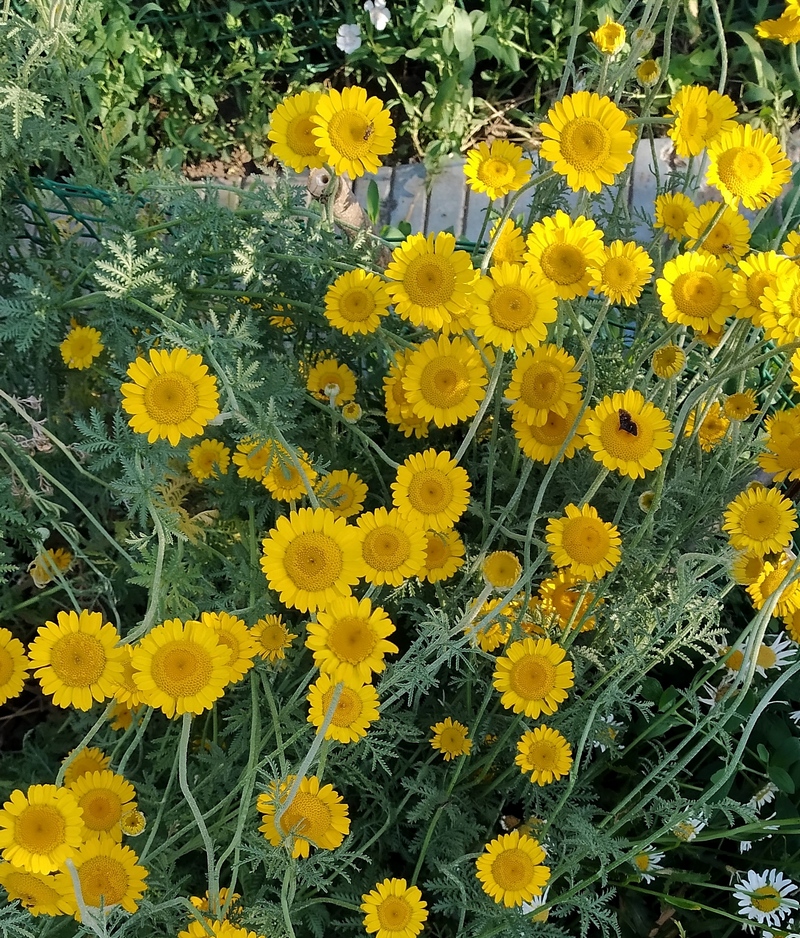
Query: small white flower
x=535, y=905
x=378, y=13
x=776, y=655
x=648, y=861
x=607, y=734
x=689, y=829
x=348, y=37
x=763, y=897
x=764, y=795
x=745, y=845
x=332, y=391
x=794, y=716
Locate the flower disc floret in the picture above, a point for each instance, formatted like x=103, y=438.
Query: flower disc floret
x=761, y=521
x=562, y=251
x=695, y=290
x=392, y=547
x=533, y=677
x=582, y=541
x=444, y=380
x=587, y=140
x=170, y=396
x=356, y=301
x=352, y=131
x=545, y=754
x=512, y=308
x=748, y=166
x=14, y=666
x=496, y=169
x=393, y=909
x=349, y=640
x=291, y=131
x=317, y=816
x=501, y=569
x=431, y=490
x=311, y=558
x=628, y=434
x=511, y=869
x=77, y=660
x=41, y=829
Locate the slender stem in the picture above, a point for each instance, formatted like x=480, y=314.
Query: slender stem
x=84, y=742
x=476, y=420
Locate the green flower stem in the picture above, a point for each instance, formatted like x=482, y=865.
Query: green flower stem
x=276, y=723
x=723, y=48
x=312, y=495
x=154, y=827
x=476, y=420
x=573, y=42
x=356, y=432
x=140, y=730
x=84, y=743
x=213, y=881
x=156, y=586
x=594, y=488
x=287, y=895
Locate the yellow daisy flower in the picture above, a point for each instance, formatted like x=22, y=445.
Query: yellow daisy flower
x=487, y=633
x=40, y=830
x=728, y=239
x=431, y=490
x=126, y=690
x=713, y=427
x=170, y=396
x=512, y=308
x=87, y=761
x=432, y=281
x=202, y=903
x=791, y=246
x=700, y=117
x=328, y=379
x=352, y=131
x=497, y=169
x=695, y=290
x=511, y=869
x=47, y=565
x=104, y=797
x=444, y=555
x=14, y=666
x=780, y=308
x=392, y=547
x=316, y=817
x=543, y=381
x=757, y=272
x=134, y=823
x=533, y=677
x=543, y=443
x=583, y=542
x=352, y=412
x=559, y=596
x=623, y=272
x=786, y=28
x=545, y=754
x=109, y=875
x=394, y=909
x=671, y=212
x=648, y=73
x=509, y=248
x=610, y=37
x=77, y=660
x=272, y=638
x=760, y=520
x=795, y=372
x=668, y=361
x=356, y=709
x=561, y=251
x=747, y=166
x=252, y=457
x=311, y=558
x=746, y=568
x=291, y=132
x=783, y=446
x=342, y=492
x=628, y=434
x=181, y=667
x=770, y=582
x=81, y=346
x=218, y=929
x=349, y=640
x=36, y=892
x=501, y=569
x=232, y=632
x=356, y=301
x=450, y=738
x=208, y=460
x=587, y=140
x=398, y=407
x=283, y=481
x=444, y=380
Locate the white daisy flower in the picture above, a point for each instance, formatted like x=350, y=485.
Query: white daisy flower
x=777, y=655
x=647, y=862
x=348, y=38
x=378, y=13
x=535, y=906
x=763, y=796
x=607, y=734
x=689, y=829
x=763, y=897
x=714, y=694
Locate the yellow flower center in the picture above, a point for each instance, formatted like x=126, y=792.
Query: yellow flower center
x=668, y=360
x=350, y=132
x=766, y=899
x=430, y=491
x=170, y=398
x=357, y=304
x=40, y=829
x=437, y=553
x=689, y=119
x=642, y=861
x=307, y=816
x=78, y=660
x=773, y=581
x=585, y=144
x=133, y=823
x=512, y=308
x=495, y=172
x=299, y=136
x=313, y=561
x=735, y=661
x=394, y=914
x=385, y=548
x=533, y=677
x=444, y=382
x=273, y=637
x=451, y=739
x=766, y=657
x=622, y=444
x=744, y=170
x=697, y=293
x=231, y=642
x=542, y=386
x=760, y=521
x=513, y=869
x=543, y=755
x=104, y=880
x=619, y=273
x=429, y=280
x=348, y=709
x=563, y=263
x=757, y=283
x=553, y=432
x=80, y=346
x=585, y=540
x=6, y=667
x=674, y=216
x=351, y=640
x=181, y=668
x=101, y=809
